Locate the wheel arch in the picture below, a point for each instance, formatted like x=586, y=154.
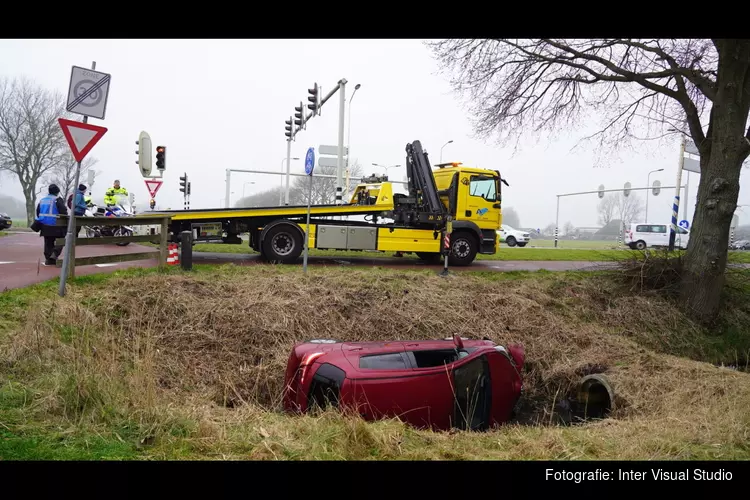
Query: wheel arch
x=277, y=223
x=467, y=225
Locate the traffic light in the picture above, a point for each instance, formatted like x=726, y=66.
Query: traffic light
x=288, y=128
x=183, y=183
x=161, y=157
x=314, y=99
x=299, y=115
x=152, y=203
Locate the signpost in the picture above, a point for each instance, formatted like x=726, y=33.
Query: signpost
x=87, y=95
x=309, y=167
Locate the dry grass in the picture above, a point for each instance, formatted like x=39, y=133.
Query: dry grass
x=192, y=365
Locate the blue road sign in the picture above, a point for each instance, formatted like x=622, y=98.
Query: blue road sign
x=684, y=224
x=310, y=161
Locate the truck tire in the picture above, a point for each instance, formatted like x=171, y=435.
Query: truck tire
x=283, y=243
x=431, y=257
x=464, y=249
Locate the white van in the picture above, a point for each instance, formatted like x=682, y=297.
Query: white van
x=641, y=236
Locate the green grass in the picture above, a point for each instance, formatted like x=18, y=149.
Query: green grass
x=3, y=233
x=80, y=377
x=504, y=253
x=20, y=223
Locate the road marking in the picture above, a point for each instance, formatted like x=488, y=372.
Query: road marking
x=7, y=262
x=105, y=265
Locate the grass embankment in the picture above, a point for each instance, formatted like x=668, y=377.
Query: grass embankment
x=504, y=253
x=145, y=364
x=2, y=233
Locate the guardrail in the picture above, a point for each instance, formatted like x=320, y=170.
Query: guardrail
x=142, y=220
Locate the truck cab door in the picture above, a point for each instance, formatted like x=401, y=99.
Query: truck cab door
x=481, y=204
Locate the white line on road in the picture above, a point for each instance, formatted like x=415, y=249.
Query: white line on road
x=105, y=265
x=7, y=262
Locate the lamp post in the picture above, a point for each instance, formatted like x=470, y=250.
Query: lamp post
x=385, y=167
x=281, y=182
x=348, y=136
x=648, y=183
x=441, y=150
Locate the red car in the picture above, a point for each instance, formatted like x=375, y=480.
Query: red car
x=438, y=384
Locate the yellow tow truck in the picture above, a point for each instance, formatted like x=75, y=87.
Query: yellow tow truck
x=393, y=222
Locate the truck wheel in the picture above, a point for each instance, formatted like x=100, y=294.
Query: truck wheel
x=511, y=241
x=431, y=257
x=283, y=243
x=463, y=249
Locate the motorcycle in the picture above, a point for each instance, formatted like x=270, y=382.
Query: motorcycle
x=121, y=208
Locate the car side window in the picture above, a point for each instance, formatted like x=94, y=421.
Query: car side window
x=658, y=229
x=390, y=361
x=642, y=229
x=484, y=188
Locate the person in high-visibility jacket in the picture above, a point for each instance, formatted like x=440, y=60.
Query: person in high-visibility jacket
x=110, y=195
x=47, y=211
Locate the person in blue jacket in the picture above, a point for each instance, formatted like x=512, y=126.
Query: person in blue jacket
x=47, y=211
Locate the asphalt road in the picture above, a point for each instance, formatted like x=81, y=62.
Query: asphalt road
x=21, y=261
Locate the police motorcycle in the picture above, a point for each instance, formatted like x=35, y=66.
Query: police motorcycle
x=121, y=208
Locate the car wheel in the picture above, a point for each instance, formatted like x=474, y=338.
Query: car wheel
x=463, y=249
x=640, y=245
x=510, y=241
x=283, y=243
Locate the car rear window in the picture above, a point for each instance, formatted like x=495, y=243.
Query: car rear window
x=325, y=387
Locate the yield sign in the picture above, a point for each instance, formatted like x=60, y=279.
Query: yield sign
x=153, y=187
x=81, y=136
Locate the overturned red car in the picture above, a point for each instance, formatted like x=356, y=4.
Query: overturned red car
x=438, y=384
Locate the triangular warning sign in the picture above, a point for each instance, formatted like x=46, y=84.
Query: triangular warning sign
x=81, y=136
x=153, y=187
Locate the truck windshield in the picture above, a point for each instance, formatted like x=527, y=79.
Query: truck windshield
x=486, y=187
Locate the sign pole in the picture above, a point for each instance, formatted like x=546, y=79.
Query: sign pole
x=447, y=244
x=676, y=204
x=309, y=167
x=70, y=253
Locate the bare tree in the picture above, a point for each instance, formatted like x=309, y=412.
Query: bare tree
x=510, y=217
x=642, y=89
x=31, y=141
x=629, y=208
x=607, y=208
x=568, y=228
x=64, y=174
x=323, y=188
x=549, y=229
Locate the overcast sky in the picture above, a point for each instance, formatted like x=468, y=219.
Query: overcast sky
x=222, y=104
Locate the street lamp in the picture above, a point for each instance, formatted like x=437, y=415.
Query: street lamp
x=348, y=136
x=386, y=168
x=281, y=182
x=441, y=150
x=648, y=183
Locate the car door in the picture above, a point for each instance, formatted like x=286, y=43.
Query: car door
x=480, y=196
x=472, y=385
x=386, y=386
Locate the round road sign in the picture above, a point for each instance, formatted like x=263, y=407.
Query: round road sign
x=683, y=224
x=310, y=161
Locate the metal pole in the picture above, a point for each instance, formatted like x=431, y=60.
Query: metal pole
x=307, y=232
x=281, y=184
x=447, y=244
x=288, y=158
x=687, y=197
x=676, y=205
x=342, y=115
x=348, y=138
x=648, y=183
x=67, y=265
x=226, y=199
x=557, y=219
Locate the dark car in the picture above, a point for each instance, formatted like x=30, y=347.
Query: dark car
x=438, y=384
x=5, y=222
x=741, y=245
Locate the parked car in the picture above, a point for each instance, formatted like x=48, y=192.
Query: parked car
x=741, y=245
x=512, y=236
x=438, y=384
x=5, y=222
x=641, y=236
